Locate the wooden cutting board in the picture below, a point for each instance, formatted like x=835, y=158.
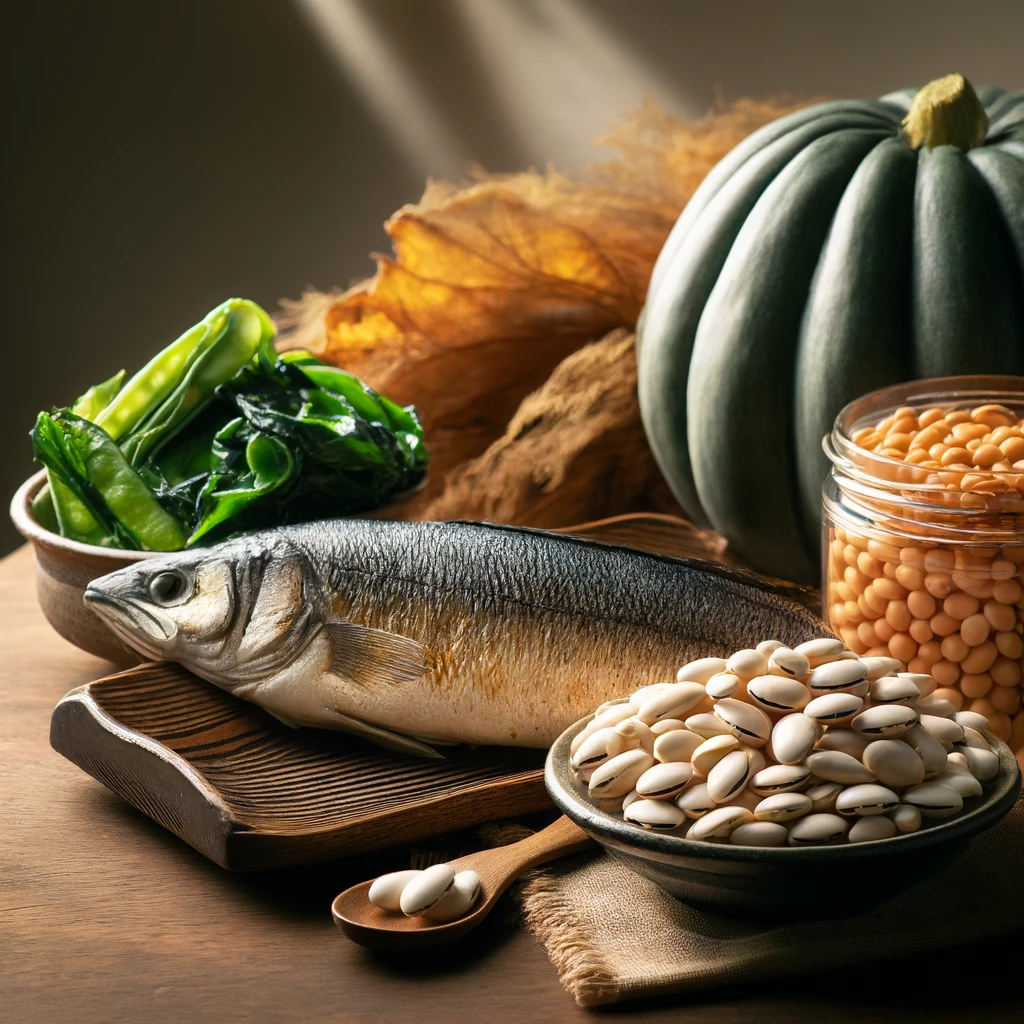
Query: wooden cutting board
x=250, y=793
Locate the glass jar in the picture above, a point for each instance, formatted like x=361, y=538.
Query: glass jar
x=923, y=551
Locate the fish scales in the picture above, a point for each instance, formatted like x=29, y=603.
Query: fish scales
x=519, y=632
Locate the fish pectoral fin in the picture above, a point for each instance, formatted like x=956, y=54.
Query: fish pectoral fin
x=381, y=736
x=366, y=656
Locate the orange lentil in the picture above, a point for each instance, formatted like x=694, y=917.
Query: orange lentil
x=981, y=658
x=866, y=634
x=907, y=576
x=975, y=685
x=1005, y=672
x=919, y=630
x=873, y=599
x=901, y=646
x=974, y=630
x=897, y=614
x=945, y=673
x=1009, y=644
x=956, y=457
x=921, y=604
x=1006, y=699
x=1013, y=448
x=943, y=624
x=890, y=589
x=954, y=696
x=955, y=648
x=930, y=416
x=884, y=631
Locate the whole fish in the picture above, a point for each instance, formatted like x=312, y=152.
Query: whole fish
x=416, y=634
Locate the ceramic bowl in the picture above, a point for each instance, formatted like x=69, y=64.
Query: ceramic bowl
x=65, y=567
x=63, y=570
x=798, y=881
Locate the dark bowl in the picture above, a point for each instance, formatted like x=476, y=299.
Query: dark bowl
x=800, y=881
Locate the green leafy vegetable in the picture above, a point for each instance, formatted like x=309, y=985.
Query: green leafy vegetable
x=218, y=434
x=269, y=464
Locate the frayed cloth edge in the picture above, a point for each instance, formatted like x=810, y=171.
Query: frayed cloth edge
x=553, y=920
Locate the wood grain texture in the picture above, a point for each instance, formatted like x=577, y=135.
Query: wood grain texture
x=251, y=793
x=106, y=918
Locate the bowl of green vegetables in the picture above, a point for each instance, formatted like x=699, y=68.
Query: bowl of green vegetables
x=216, y=435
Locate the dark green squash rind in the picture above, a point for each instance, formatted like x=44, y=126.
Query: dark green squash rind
x=964, y=318
x=1004, y=174
x=857, y=320
x=673, y=313
x=989, y=95
x=743, y=151
x=741, y=374
x=1009, y=109
x=993, y=296
x=900, y=99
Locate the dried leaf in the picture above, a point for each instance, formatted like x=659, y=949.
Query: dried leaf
x=494, y=285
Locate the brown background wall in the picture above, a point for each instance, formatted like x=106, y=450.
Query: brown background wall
x=159, y=157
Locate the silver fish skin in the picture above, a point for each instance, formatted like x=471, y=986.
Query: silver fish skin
x=416, y=634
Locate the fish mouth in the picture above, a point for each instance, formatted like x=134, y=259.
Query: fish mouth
x=127, y=617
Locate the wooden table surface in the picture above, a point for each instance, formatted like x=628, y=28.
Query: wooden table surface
x=105, y=917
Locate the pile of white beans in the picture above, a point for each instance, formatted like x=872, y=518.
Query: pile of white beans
x=438, y=893
x=774, y=746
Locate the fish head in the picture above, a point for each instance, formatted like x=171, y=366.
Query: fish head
x=229, y=613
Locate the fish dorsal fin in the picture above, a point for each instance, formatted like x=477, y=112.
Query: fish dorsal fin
x=373, y=657
x=657, y=533
x=382, y=737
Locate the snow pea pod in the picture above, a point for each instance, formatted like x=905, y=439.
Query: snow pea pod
x=79, y=514
x=73, y=516
x=98, y=397
x=154, y=382
x=43, y=511
x=85, y=458
x=50, y=509
x=233, y=333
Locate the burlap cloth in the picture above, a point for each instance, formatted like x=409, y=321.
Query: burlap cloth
x=613, y=935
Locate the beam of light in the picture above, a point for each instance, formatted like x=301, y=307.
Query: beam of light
x=362, y=54
x=559, y=74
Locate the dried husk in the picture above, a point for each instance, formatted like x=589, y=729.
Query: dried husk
x=491, y=291
x=580, y=426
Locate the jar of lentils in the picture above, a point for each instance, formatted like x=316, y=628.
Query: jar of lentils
x=923, y=537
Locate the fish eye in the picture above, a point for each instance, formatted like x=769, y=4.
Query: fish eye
x=166, y=587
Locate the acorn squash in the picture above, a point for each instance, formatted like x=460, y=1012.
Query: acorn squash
x=851, y=245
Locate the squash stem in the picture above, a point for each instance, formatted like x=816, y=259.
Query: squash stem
x=946, y=112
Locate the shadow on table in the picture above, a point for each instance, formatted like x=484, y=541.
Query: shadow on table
x=968, y=983
x=972, y=982
x=305, y=893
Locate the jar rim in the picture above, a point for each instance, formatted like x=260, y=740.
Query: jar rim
x=868, y=479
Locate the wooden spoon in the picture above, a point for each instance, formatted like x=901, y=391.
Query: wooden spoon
x=370, y=926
